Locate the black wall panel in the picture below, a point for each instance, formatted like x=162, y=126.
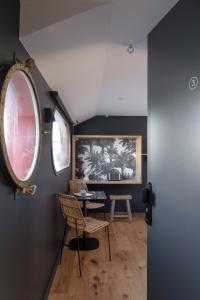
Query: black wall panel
x=114, y=125
x=174, y=155
x=31, y=227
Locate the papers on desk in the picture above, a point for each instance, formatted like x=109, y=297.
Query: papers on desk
x=83, y=194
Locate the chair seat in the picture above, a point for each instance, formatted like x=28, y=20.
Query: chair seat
x=92, y=205
x=93, y=224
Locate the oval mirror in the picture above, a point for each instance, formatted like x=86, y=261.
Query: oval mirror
x=21, y=124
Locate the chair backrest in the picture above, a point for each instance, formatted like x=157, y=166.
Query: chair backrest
x=76, y=185
x=72, y=211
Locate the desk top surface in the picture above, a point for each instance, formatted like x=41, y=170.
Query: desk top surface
x=94, y=195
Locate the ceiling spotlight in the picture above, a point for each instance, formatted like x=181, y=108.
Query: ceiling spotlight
x=130, y=49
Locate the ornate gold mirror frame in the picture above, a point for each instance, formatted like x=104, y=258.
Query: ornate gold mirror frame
x=24, y=185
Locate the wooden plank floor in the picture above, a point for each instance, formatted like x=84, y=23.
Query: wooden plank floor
x=124, y=278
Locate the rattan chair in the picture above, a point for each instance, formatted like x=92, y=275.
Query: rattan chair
x=74, y=218
x=76, y=185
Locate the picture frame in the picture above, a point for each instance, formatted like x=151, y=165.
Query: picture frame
x=107, y=159
x=60, y=142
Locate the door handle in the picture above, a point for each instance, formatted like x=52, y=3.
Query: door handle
x=148, y=201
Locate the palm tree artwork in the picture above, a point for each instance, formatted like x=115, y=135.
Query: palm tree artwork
x=96, y=157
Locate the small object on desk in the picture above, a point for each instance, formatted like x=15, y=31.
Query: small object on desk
x=85, y=194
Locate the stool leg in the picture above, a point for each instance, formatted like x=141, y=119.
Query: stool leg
x=129, y=210
x=112, y=210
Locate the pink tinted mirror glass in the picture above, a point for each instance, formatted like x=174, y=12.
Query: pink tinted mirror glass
x=21, y=126
x=61, y=143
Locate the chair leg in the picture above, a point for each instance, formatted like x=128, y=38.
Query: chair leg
x=79, y=260
x=109, y=243
x=62, y=245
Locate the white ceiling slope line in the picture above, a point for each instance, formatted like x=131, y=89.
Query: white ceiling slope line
x=36, y=14
x=72, y=61
x=85, y=57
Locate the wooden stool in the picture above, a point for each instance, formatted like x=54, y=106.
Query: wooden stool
x=126, y=198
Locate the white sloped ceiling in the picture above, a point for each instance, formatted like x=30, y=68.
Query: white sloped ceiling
x=84, y=56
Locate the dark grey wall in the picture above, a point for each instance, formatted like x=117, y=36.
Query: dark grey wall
x=174, y=148
x=119, y=126
x=31, y=227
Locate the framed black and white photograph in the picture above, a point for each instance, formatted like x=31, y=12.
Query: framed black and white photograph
x=107, y=159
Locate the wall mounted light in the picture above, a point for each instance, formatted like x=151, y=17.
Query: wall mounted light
x=48, y=115
x=49, y=118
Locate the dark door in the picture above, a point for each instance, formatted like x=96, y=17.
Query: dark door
x=174, y=155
